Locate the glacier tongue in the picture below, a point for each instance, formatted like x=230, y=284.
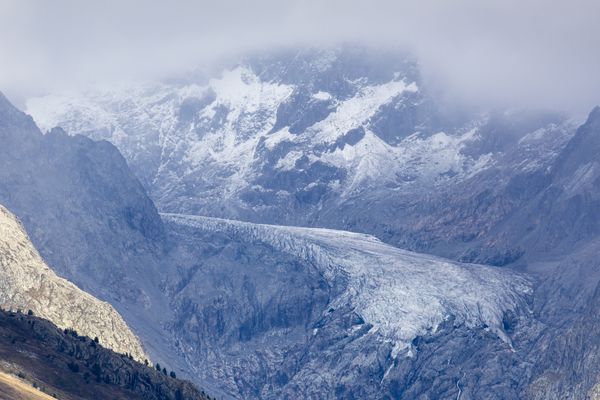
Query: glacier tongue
x=402, y=294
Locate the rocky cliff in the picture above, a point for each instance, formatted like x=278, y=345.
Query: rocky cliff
x=27, y=283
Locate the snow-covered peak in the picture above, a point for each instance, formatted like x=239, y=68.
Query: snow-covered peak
x=209, y=139
x=310, y=131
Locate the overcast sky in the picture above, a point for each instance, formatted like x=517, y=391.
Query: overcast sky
x=522, y=53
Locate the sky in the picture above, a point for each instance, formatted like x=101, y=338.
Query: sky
x=527, y=53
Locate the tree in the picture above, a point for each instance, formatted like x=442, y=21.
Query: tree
x=29, y=312
x=96, y=339
x=173, y=375
x=96, y=370
x=73, y=366
x=164, y=371
x=158, y=367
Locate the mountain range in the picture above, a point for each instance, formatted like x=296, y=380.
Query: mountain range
x=392, y=245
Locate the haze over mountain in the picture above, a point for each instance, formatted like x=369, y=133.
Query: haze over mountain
x=347, y=138
x=508, y=53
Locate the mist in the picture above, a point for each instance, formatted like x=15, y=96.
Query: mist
x=502, y=53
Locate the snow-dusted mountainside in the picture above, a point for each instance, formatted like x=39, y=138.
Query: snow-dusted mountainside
x=307, y=131
x=282, y=303
x=346, y=138
x=27, y=283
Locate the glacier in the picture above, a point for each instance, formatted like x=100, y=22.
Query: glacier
x=402, y=294
x=285, y=302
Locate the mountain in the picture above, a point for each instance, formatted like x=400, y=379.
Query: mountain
x=27, y=283
x=523, y=209
x=350, y=140
x=291, y=138
x=40, y=361
x=89, y=218
x=75, y=196
x=92, y=221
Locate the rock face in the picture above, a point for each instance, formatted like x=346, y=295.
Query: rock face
x=75, y=196
x=90, y=219
x=534, y=205
x=27, y=283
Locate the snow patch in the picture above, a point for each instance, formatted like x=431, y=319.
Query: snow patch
x=280, y=136
x=322, y=96
x=356, y=111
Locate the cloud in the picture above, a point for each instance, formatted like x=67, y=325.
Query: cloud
x=522, y=53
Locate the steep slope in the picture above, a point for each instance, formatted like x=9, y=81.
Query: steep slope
x=89, y=218
x=280, y=311
x=518, y=210
x=92, y=221
x=85, y=212
x=26, y=283
x=64, y=365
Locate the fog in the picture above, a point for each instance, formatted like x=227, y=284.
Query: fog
x=502, y=52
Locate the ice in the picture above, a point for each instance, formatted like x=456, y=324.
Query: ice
x=401, y=293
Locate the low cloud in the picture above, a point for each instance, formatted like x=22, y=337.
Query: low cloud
x=520, y=53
